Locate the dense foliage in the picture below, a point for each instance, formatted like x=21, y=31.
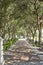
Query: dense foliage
x=21, y=15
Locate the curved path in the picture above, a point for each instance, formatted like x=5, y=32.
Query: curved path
x=22, y=53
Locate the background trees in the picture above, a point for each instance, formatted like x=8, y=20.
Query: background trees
x=25, y=14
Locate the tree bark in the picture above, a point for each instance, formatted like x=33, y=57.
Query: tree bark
x=40, y=33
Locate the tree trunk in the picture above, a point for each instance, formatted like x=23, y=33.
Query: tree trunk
x=40, y=33
x=33, y=38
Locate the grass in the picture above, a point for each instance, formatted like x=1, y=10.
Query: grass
x=36, y=44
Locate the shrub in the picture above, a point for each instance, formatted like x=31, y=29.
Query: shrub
x=8, y=43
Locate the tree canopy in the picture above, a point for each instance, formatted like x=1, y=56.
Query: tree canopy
x=15, y=14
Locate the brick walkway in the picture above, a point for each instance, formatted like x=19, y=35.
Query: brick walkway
x=21, y=54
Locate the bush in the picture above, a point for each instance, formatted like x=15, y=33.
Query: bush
x=8, y=43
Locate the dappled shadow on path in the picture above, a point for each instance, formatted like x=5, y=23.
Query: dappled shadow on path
x=20, y=52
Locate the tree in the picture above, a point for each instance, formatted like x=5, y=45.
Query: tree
x=39, y=13
x=23, y=13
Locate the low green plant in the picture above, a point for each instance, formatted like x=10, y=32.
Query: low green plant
x=8, y=43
